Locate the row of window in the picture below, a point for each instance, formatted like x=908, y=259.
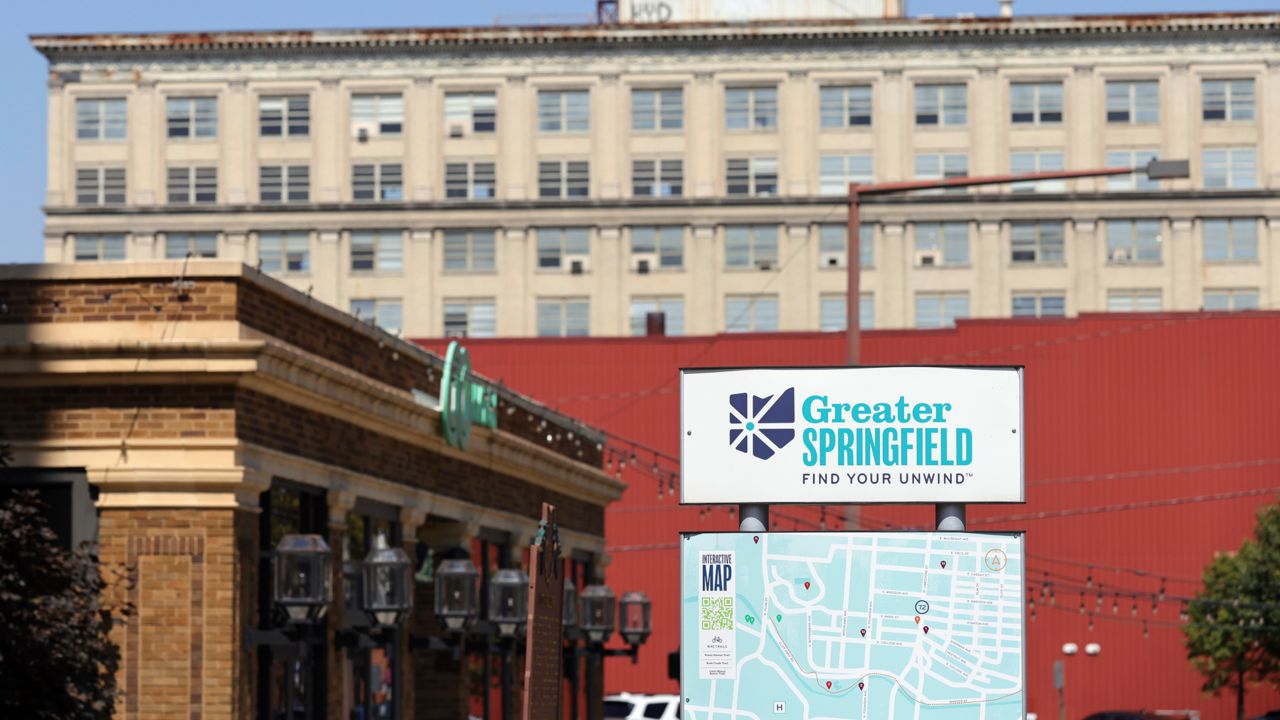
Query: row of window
x=755, y=176
x=945, y=244
x=570, y=317
x=752, y=108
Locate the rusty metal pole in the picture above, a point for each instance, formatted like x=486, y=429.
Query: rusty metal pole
x=853, y=291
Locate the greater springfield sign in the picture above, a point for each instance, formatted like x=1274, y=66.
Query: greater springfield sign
x=851, y=435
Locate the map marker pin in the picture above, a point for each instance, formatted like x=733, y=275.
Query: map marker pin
x=860, y=686
x=806, y=584
x=944, y=564
x=779, y=617
x=828, y=684
x=864, y=632
x=926, y=629
x=917, y=619
x=756, y=539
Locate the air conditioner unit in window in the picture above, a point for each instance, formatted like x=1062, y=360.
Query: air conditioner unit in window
x=644, y=263
x=833, y=259
x=764, y=264
x=364, y=130
x=457, y=129
x=927, y=258
x=576, y=264
x=1119, y=255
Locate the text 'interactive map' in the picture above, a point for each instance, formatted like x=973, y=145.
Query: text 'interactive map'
x=883, y=626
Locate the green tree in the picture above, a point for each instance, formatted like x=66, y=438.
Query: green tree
x=57, y=659
x=1233, y=632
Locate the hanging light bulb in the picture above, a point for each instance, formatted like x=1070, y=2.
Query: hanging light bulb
x=1183, y=615
x=1115, y=604
x=1091, y=622
x=1081, y=603
x=1162, y=583
x=1134, y=612
x=1145, y=632
x=1089, y=581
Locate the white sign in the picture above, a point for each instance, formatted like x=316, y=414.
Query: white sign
x=851, y=435
x=676, y=11
x=717, y=641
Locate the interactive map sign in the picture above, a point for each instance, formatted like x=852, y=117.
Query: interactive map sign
x=890, y=626
x=851, y=435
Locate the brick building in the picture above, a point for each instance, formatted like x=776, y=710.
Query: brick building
x=186, y=415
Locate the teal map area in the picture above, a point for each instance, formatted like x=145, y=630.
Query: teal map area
x=818, y=626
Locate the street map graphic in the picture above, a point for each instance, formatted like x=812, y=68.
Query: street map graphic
x=882, y=626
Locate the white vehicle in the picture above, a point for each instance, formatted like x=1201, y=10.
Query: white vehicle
x=629, y=706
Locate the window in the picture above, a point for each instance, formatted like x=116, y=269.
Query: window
x=1231, y=299
x=192, y=117
x=751, y=313
x=657, y=110
x=555, y=245
x=667, y=243
x=178, y=246
x=1037, y=242
x=655, y=709
x=1034, y=162
x=377, y=115
x=284, y=252
x=564, y=178
x=755, y=176
x=946, y=105
x=99, y=248
x=833, y=241
x=469, y=250
x=1133, y=241
x=1230, y=168
x=470, y=318
x=379, y=182
x=939, y=166
x=380, y=250
x=1035, y=103
x=563, y=317
x=474, y=112
x=284, y=116
x=1039, y=304
x=1134, y=301
x=940, y=310
x=751, y=108
x=833, y=318
x=564, y=111
x=1133, y=159
x=1228, y=100
x=386, y=314
x=942, y=244
x=101, y=119
x=1133, y=102
x=192, y=185
x=845, y=106
x=751, y=246
x=657, y=178
x=672, y=309
x=1234, y=240
x=284, y=183
x=837, y=171
x=474, y=181
x=100, y=186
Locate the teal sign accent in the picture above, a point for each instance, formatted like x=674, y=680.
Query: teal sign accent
x=464, y=401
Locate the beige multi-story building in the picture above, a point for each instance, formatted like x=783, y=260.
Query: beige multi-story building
x=565, y=180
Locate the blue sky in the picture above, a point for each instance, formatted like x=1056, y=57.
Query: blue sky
x=22, y=126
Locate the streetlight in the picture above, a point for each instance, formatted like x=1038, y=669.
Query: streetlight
x=1156, y=170
x=457, y=600
x=300, y=570
x=387, y=597
x=597, y=613
x=508, y=601
x=1060, y=672
x=569, y=618
x=634, y=607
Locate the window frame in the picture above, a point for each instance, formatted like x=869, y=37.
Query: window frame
x=473, y=173
x=1233, y=177
x=287, y=248
x=565, y=118
x=380, y=184
x=944, y=108
x=946, y=320
x=760, y=246
x=101, y=250
x=1230, y=108
x=946, y=241
x=830, y=185
x=572, y=179
x=473, y=109
x=658, y=303
x=668, y=243
x=1232, y=296
x=1230, y=244
x=385, y=122
x=105, y=187
x=1038, y=298
x=753, y=109
x=659, y=177
x=1133, y=112
x=839, y=109
x=470, y=304
x=1135, y=295
x=866, y=311
x=661, y=100
x=563, y=306
x=1036, y=116
x=193, y=242
x=564, y=240
x=1134, y=247
x=291, y=189
x=293, y=121
x=191, y=118
x=751, y=310
x=472, y=251
x=376, y=317
x=755, y=176
x=1041, y=252
x=384, y=257
x=102, y=119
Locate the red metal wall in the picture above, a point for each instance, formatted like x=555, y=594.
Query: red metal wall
x=1129, y=419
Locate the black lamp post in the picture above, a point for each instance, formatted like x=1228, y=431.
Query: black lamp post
x=387, y=597
x=300, y=570
x=509, y=602
x=457, y=595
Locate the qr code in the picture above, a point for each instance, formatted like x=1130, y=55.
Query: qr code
x=717, y=613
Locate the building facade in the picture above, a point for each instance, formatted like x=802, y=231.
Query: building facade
x=192, y=414
x=566, y=180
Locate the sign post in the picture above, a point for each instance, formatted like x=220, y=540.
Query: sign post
x=544, y=659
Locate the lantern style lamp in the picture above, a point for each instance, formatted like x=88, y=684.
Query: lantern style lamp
x=387, y=596
x=457, y=594
x=597, y=613
x=636, y=625
x=300, y=570
x=509, y=601
x=569, y=616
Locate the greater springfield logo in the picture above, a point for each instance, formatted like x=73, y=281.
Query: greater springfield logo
x=763, y=426
x=908, y=432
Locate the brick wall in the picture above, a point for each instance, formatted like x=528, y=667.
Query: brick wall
x=62, y=301
x=117, y=412
x=191, y=595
